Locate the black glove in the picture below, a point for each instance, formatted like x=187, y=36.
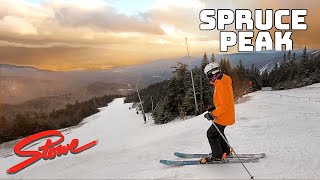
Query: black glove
x=209, y=116
x=211, y=108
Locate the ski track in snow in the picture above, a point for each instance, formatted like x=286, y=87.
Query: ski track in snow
x=283, y=124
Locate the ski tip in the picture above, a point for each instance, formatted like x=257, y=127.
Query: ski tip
x=177, y=154
x=165, y=162
x=263, y=155
x=179, y=163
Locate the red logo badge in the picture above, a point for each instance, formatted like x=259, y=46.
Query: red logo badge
x=49, y=151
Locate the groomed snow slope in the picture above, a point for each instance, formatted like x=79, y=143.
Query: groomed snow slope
x=279, y=123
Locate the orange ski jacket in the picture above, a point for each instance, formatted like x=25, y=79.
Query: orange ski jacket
x=223, y=101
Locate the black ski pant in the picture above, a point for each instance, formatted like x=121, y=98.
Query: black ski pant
x=217, y=144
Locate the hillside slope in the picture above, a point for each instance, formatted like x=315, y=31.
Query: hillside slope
x=283, y=124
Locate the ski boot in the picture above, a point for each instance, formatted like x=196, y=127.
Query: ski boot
x=210, y=158
x=226, y=155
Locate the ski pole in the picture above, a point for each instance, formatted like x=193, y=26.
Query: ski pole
x=232, y=149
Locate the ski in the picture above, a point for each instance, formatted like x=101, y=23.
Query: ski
x=197, y=162
x=189, y=155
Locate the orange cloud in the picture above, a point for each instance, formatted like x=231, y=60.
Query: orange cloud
x=300, y=39
x=64, y=35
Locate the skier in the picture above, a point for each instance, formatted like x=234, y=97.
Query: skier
x=222, y=113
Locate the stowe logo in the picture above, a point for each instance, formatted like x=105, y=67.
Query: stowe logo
x=49, y=151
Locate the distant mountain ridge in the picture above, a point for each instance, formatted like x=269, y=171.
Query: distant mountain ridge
x=11, y=66
x=30, y=79
x=168, y=62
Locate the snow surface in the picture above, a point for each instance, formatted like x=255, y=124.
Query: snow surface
x=283, y=124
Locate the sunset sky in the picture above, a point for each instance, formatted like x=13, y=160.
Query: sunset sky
x=99, y=34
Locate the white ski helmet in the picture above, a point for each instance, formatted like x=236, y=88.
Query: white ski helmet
x=212, y=69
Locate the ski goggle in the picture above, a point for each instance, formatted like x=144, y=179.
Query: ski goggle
x=210, y=73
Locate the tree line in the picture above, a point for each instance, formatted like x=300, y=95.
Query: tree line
x=175, y=98
x=29, y=123
x=293, y=72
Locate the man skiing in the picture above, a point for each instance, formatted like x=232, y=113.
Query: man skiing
x=222, y=113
